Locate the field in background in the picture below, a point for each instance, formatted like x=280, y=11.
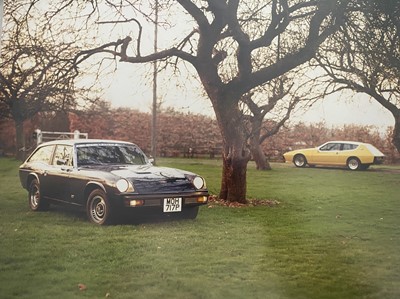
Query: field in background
x=334, y=234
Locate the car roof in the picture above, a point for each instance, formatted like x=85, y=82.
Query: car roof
x=83, y=141
x=347, y=142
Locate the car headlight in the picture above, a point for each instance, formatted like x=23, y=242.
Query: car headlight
x=124, y=186
x=198, y=182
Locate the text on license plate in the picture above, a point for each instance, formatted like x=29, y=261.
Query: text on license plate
x=173, y=204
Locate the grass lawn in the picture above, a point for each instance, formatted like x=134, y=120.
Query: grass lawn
x=334, y=234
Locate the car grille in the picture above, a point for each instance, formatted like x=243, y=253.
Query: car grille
x=163, y=186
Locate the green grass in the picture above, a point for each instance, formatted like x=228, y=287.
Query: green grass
x=335, y=234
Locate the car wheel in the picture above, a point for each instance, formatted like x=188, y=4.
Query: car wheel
x=36, y=202
x=353, y=163
x=299, y=160
x=190, y=213
x=365, y=166
x=98, y=208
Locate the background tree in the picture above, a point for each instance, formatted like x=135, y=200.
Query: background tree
x=269, y=107
x=260, y=128
x=304, y=25
x=37, y=72
x=364, y=56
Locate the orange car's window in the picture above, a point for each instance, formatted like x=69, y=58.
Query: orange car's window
x=347, y=147
x=331, y=147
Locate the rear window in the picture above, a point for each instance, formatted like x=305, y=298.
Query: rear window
x=374, y=151
x=42, y=154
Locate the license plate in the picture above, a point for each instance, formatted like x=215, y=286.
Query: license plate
x=173, y=204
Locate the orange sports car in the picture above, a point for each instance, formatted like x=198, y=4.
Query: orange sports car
x=353, y=155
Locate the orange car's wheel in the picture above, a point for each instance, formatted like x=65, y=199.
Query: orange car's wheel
x=299, y=160
x=365, y=166
x=354, y=163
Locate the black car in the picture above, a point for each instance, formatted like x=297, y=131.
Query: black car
x=106, y=178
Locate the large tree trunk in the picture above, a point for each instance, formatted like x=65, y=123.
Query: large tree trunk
x=236, y=154
x=395, y=111
x=234, y=173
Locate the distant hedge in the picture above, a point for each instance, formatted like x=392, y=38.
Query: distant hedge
x=185, y=134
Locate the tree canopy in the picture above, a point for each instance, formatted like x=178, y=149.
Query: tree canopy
x=37, y=69
x=232, y=46
x=229, y=36
x=364, y=56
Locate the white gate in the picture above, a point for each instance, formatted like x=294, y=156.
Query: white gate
x=43, y=136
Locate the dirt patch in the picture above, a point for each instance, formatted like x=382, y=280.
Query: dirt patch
x=215, y=201
x=385, y=170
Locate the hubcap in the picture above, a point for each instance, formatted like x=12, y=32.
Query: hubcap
x=299, y=161
x=35, y=195
x=98, y=208
x=353, y=164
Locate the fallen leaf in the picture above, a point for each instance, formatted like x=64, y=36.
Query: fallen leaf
x=81, y=287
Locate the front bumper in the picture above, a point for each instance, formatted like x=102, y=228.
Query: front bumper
x=157, y=200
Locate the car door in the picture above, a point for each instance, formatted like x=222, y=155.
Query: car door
x=40, y=164
x=328, y=154
x=58, y=175
x=347, y=150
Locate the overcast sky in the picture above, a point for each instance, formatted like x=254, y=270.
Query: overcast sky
x=341, y=110
x=128, y=90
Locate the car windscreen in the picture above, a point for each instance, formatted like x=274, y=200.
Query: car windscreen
x=100, y=154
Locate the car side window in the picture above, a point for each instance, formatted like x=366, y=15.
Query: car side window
x=43, y=154
x=63, y=155
x=348, y=147
x=331, y=147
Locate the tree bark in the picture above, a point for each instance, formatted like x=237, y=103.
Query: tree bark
x=234, y=173
x=236, y=154
x=255, y=146
x=258, y=155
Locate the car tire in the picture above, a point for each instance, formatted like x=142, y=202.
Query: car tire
x=98, y=208
x=36, y=202
x=354, y=163
x=299, y=160
x=190, y=213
